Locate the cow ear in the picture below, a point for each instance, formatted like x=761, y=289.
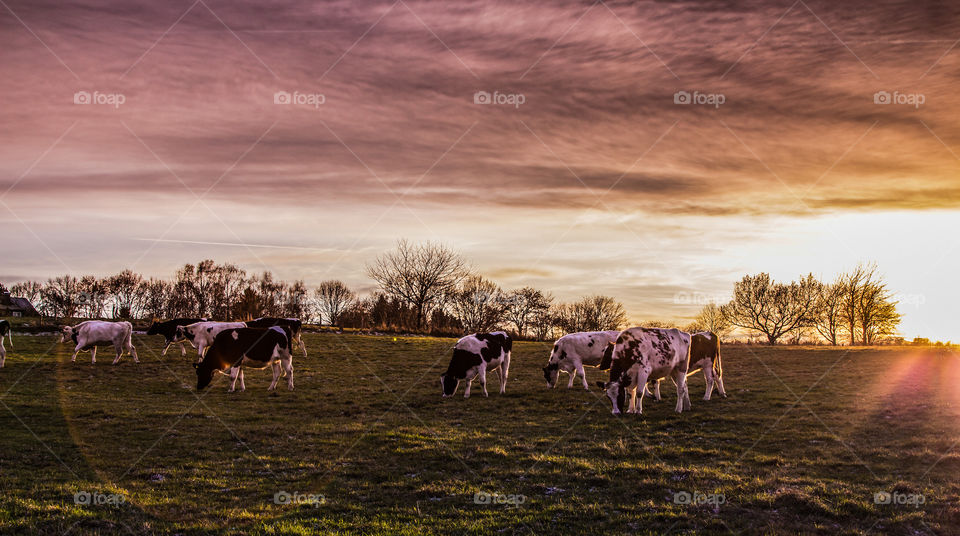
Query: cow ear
x=602, y=385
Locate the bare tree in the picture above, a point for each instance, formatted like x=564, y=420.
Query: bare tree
x=61, y=295
x=333, y=299
x=828, y=311
x=124, y=289
x=852, y=285
x=711, y=318
x=478, y=304
x=877, y=312
x=774, y=309
x=420, y=275
x=524, y=305
x=154, y=294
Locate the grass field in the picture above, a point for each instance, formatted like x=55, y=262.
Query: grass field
x=805, y=440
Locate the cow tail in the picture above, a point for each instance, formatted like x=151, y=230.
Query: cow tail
x=10, y=336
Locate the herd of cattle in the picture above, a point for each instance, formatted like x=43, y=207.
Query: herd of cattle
x=637, y=358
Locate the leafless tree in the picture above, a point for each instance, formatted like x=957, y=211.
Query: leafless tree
x=772, y=308
x=333, y=299
x=828, y=311
x=123, y=288
x=524, y=305
x=420, y=275
x=712, y=319
x=478, y=304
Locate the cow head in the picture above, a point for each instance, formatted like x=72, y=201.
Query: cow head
x=204, y=374
x=154, y=328
x=550, y=373
x=615, y=392
x=66, y=333
x=448, y=385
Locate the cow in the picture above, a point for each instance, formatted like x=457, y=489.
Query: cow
x=169, y=331
x=5, y=330
x=704, y=354
x=642, y=353
x=571, y=352
x=92, y=333
x=295, y=325
x=201, y=334
x=475, y=355
x=235, y=348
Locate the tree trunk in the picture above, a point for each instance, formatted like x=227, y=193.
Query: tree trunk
x=772, y=339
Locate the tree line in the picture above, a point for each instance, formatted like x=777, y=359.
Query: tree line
x=429, y=288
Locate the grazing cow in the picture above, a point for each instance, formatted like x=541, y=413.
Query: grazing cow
x=475, y=355
x=169, y=331
x=92, y=333
x=295, y=325
x=5, y=330
x=704, y=354
x=571, y=352
x=642, y=353
x=235, y=348
x=201, y=334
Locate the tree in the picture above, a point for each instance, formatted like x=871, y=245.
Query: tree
x=478, y=304
x=31, y=290
x=61, y=295
x=420, y=275
x=711, y=318
x=877, y=313
x=296, y=304
x=524, y=305
x=603, y=313
x=772, y=308
x=851, y=285
x=333, y=299
x=828, y=311
x=124, y=288
x=153, y=294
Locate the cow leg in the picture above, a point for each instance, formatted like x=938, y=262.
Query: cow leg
x=133, y=352
x=75, y=352
x=119, y=350
x=276, y=376
x=656, y=390
x=504, y=372
x=243, y=386
x=303, y=347
x=3, y=353
x=708, y=376
x=583, y=376
x=93, y=354
x=683, y=395
x=720, y=389
x=573, y=376
x=288, y=368
x=483, y=379
x=183, y=349
x=234, y=374
x=165, y=346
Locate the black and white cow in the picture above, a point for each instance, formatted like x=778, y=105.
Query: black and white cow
x=642, y=353
x=704, y=354
x=201, y=334
x=92, y=333
x=571, y=352
x=294, y=324
x=235, y=348
x=5, y=331
x=474, y=356
x=169, y=331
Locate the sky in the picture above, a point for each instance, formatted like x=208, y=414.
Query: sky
x=651, y=151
